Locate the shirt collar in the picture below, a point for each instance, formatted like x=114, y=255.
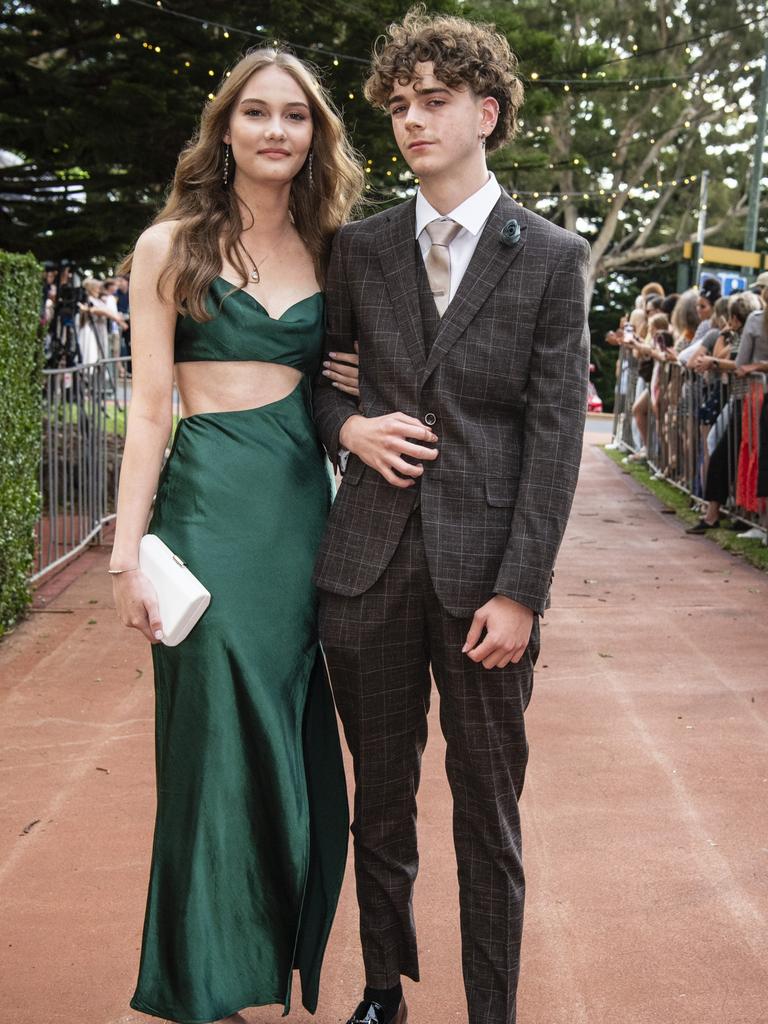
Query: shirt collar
x=471, y=214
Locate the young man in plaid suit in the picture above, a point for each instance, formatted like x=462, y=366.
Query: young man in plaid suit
x=459, y=470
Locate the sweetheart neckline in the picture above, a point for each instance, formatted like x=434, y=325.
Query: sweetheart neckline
x=262, y=307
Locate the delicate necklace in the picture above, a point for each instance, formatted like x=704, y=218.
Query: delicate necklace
x=255, y=276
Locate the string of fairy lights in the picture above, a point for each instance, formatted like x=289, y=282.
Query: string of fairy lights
x=589, y=79
x=595, y=74
x=647, y=191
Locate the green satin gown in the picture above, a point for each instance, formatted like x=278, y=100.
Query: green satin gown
x=251, y=829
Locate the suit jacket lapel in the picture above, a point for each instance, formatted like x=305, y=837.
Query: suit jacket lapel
x=489, y=261
x=398, y=262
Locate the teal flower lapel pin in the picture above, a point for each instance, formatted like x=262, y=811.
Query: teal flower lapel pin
x=510, y=233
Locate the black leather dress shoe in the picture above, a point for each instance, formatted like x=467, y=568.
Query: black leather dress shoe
x=369, y=1012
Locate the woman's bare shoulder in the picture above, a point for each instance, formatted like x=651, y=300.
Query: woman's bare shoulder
x=154, y=244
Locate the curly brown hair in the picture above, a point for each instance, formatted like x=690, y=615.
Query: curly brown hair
x=464, y=53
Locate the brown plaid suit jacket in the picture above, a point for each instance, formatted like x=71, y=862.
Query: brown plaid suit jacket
x=506, y=381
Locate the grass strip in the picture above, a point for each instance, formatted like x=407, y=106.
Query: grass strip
x=754, y=551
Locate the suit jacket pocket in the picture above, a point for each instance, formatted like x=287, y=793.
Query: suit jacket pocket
x=501, y=491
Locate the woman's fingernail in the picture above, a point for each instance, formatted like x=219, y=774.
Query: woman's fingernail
x=158, y=634
x=332, y=355
x=465, y=648
x=326, y=373
x=334, y=384
x=326, y=364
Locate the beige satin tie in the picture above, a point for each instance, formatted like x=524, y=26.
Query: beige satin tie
x=438, y=262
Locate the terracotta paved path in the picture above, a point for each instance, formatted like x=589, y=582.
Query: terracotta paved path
x=646, y=807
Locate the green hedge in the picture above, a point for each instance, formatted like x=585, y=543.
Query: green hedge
x=20, y=428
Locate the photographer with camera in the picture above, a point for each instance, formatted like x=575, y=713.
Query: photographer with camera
x=61, y=295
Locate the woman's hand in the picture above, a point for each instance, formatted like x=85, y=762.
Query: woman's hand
x=136, y=604
x=746, y=369
x=342, y=370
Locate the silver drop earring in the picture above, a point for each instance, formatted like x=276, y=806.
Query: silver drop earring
x=311, y=178
x=482, y=140
x=225, y=176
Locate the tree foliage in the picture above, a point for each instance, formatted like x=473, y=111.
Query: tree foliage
x=637, y=99
x=98, y=98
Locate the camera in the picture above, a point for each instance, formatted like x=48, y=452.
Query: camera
x=61, y=340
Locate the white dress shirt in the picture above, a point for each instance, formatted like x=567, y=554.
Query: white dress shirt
x=472, y=214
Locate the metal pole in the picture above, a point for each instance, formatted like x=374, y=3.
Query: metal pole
x=702, y=227
x=753, y=212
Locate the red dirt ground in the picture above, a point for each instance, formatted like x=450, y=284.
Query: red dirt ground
x=645, y=811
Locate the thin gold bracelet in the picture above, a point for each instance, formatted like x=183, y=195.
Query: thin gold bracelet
x=116, y=572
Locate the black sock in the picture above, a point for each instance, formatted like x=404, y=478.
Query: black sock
x=387, y=998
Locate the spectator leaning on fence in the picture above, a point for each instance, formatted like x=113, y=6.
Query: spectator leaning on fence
x=648, y=292
x=684, y=321
x=687, y=326
x=649, y=356
x=93, y=318
x=753, y=351
x=646, y=304
x=761, y=283
x=109, y=298
x=709, y=395
x=743, y=309
x=709, y=292
x=709, y=320
x=752, y=360
x=762, y=425
x=668, y=304
x=724, y=437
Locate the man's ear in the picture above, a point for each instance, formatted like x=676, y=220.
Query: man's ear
x=489, y=115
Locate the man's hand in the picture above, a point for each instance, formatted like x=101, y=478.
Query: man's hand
x=507, y=626
x=382, y=441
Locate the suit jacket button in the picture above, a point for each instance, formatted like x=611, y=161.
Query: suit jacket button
x=430, y=419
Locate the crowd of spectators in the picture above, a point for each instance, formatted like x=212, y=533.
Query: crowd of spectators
x=696, y=375
x=84, y=322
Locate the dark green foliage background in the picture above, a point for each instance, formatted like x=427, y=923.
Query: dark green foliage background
x=20, y=428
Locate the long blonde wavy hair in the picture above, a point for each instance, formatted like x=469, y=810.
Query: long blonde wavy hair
x=208, y=212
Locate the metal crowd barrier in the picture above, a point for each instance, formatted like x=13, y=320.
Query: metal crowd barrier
x=85, y=417
x=693, y=420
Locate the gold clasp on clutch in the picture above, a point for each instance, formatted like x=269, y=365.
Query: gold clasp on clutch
x=178, y=560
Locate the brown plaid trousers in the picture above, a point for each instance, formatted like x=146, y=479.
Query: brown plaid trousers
x=401, y=572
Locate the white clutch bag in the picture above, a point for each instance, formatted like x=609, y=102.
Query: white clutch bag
x=181, y=596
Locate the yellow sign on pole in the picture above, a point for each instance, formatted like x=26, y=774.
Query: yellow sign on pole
x=720, y=256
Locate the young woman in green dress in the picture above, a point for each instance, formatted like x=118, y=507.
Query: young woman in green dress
x=251, y=827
